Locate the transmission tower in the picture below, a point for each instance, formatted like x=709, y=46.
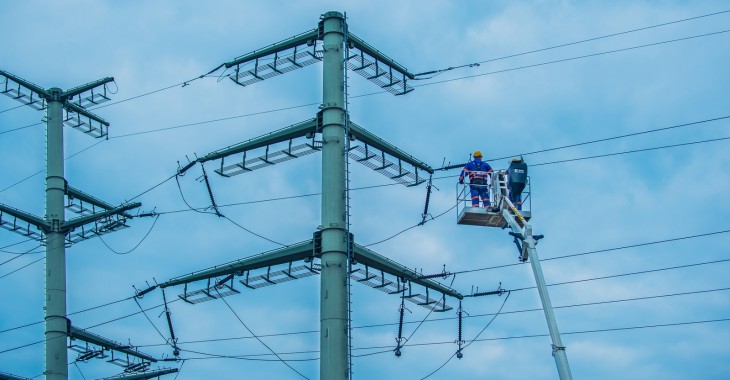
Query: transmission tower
x=97, y=217
x=332, y=249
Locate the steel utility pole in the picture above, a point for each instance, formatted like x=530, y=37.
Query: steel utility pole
x=56, y=325
x=54, y=225
x=333, y=291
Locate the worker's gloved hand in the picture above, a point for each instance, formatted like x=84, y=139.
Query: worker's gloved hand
x=461, y=182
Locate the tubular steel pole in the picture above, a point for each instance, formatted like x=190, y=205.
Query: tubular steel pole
x=333, y=292
x=561, y=359
x=56, y=322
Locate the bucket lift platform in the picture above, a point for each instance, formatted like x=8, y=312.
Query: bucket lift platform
x=480, y=216
x=493, y=216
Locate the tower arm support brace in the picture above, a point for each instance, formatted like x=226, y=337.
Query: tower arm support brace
x=376, y=261
x=296, y=252
x=86, y=336
x=289, y=43
x=367, y=137
x=375, y=53
x=281, y=135
x=77, y=222
x=24, y=216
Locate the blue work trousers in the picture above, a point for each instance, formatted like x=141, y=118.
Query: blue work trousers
x=479, y=191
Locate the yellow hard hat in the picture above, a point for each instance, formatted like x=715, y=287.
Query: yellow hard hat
x=477, y=154
x=517, y=159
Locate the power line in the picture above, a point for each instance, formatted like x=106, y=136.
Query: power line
x=10, y=109
x=212, y=121
x=411, y=227
x=632, y=151
x=629, y=274
x=458, y=166
x=24, y=266
x=257, y=338
x=474, y=64
x=626, y=328
x=41, y=171
x=472, y=341
x=570, y=59
x=519, y=311
x=19, y=128
x=137, y=245
x=601, y=250
x=567, y=333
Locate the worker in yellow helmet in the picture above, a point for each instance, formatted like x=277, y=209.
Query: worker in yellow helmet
x=478, y=172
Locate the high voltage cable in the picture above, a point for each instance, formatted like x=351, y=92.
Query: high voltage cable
x=553, y=62
x=470, y=316
x=41, y=171
x=472, y=341
x=632, y=151
x=439, y=71
x=573, y=58
x=357, y=327
x=568, y=333
x=491, y=159
x=600, y=251
x=626, y=328
x=255, y=336
x=442, y=81
x=458, y=166
x=628, y=274
x=453, y=318
x=137, y=245
x=24, y=266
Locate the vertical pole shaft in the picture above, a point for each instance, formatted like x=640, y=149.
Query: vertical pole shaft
x=56, y=325
x=561, y=359
x=333, y=297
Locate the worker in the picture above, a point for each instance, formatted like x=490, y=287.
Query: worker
x=516, y=180
x=479, y=173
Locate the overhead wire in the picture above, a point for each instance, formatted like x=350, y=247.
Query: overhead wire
x=257, y=338
x=475, y=64
x=137, y=245
x=472, y=341
x=601, y=250
x=512, y=337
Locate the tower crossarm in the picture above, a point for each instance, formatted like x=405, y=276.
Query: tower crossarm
x=24, y=216
x=367, y=137
x=86, y=87
x=98, y=340
x=358, y=43
x=7, y=376
x=77, y=222
x=295, y=252
x=281, y=135
x=75, y=193
x=143, y=376
x=289, y=43
x=374, y=260
x=40, y=91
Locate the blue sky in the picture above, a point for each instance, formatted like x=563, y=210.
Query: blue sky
x=579, y=206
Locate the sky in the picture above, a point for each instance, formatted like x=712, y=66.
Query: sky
x=656, y=307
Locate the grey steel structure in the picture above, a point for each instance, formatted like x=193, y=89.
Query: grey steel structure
x=332, y=241
x=505, y=215
x=55, y=230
